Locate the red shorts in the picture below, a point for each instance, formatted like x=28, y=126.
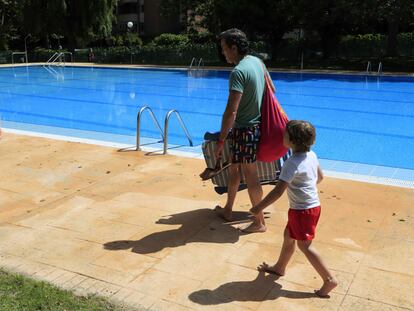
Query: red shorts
x=302, y=223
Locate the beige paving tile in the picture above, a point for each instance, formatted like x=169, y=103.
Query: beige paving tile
x=66, y=253
x=141, y=301
x=218, y=232
x=102, y=231
x=304, y=274
x=8, y=199
x=163, y=305
x=391, y=255
x=383, y=286
x=155, y=241
x=299, y=270
x=68, y=207
x=252, y=254
x=74, y=282
x=107, y=218
x=348, y=236
x=351, y=214
x=289, y=296
x=163, y=202
x=125, y=261
x=122, y=295
x=192, y=260
x=42, y=271
x=336, y=257
x=276, y=217
x=106, y=290
x=51, y=277
x=34, y=192
x=132, y=212
x=361, y=304
x=233, y=285
x=104, y=274
x=13, y=205
x=14, y=238
x=399, y=224
x=168, y=286
x=82, y=289
x=64, y=280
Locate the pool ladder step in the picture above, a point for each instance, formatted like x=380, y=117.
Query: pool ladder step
x=196, y=71
x=164, y=134
x=369, y=67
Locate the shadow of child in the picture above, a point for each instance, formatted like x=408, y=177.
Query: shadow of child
x=264, y=287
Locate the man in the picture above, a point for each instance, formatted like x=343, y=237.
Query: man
x=242, y=115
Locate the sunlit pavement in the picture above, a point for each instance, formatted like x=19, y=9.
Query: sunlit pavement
x=139, y=229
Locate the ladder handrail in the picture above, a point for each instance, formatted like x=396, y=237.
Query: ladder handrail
x=138, y=138
x=368, y=68
x=59, y=56
x=379, y=72
x=201, y=61
x=194, y=60
x=71, y=55
x=61, y=59
x=54, y=73
x=48, y=61
x=19, y=53
x=167, y=118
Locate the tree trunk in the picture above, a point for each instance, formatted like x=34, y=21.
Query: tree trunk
x=392, y=42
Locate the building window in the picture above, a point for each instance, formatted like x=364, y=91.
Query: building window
x=128, y=8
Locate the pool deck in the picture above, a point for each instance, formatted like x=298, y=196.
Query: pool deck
x=138, y=228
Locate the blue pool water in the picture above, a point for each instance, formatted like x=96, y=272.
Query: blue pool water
x=359, y=119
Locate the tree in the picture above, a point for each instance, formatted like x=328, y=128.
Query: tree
x=79, y=21
x=42, y=18
x=270, y=20
x=396, y=13
x=9, y=19
x=330, y=19
x=88, y=20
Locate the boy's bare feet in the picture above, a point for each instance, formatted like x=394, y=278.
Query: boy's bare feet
x=254, y=227
x=264, y=267
x=224, y=213
x=328, y=285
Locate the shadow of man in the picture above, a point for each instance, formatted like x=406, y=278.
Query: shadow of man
x=196, y=226
x=264, y=287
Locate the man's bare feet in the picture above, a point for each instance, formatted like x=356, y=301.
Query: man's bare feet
x=264, y=267
x=254, y=227
x=328, y=285
x=224, y=213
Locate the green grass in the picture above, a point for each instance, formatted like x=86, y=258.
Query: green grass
x=22, y=293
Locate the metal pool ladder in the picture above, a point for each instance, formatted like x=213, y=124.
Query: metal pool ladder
x=164, y=134
x=200, y=64
x=368, y=71
x=139, y=125
x=19, y=53
x=379, y=72
x=167, y=118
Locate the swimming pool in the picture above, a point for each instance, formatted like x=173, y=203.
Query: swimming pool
x=359, y=119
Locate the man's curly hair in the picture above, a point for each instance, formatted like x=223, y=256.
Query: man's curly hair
x=302, y=134
x=235, y=37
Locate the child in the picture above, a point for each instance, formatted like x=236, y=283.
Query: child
x=300, y=174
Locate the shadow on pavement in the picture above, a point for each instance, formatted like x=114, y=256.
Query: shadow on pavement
x=264, y=287
x=201, y=225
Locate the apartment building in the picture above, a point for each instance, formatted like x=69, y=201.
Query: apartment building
x=145, y=17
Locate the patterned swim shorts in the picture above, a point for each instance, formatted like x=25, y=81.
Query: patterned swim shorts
x=244, y=144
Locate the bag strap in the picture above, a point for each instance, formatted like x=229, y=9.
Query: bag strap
x=266, y=76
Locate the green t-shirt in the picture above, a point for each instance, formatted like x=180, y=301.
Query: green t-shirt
x=248, y=78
